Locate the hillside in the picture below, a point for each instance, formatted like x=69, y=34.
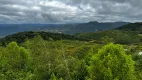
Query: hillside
x=40, y=59
x=131, y=27
x=23, y=36
x=130, y=33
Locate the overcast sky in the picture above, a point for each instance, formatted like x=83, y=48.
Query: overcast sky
x=69, y=11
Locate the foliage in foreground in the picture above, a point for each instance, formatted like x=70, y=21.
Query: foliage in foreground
x=112, y=63
x=64, y=60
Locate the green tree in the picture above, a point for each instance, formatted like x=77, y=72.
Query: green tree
x=111, y=63
x=17, y=56
x=13, y=62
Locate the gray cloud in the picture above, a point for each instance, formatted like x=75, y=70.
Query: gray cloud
x=69, y=11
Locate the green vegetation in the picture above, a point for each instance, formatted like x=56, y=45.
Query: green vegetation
x=112, y=63
x=23, y=36
x=116, y=36
x=127, y=34
x=39, y=59
x=131, y=27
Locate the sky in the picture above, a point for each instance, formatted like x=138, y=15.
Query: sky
x=69, y=11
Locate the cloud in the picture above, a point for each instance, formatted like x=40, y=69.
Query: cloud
x=69, y=11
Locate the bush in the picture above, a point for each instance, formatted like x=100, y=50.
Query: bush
x=13, y=62
x=111, y=63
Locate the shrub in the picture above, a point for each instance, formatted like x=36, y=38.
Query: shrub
x=111, y=63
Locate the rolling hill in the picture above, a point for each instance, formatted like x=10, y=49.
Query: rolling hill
x=130, y=33
x=131, y=27
x=23, y=36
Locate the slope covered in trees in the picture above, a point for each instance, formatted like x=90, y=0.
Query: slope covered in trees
x=131, y=27
x=116, y=36
x=22, y=36
x=127, y=34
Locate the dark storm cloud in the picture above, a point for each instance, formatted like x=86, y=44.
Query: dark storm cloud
x=69, y=11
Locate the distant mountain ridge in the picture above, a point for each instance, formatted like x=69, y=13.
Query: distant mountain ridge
x=7, y=29
x=92, y=26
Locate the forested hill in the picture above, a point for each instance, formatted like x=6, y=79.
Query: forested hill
x=127, y=34
x=22, y=36
x=131, y=27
